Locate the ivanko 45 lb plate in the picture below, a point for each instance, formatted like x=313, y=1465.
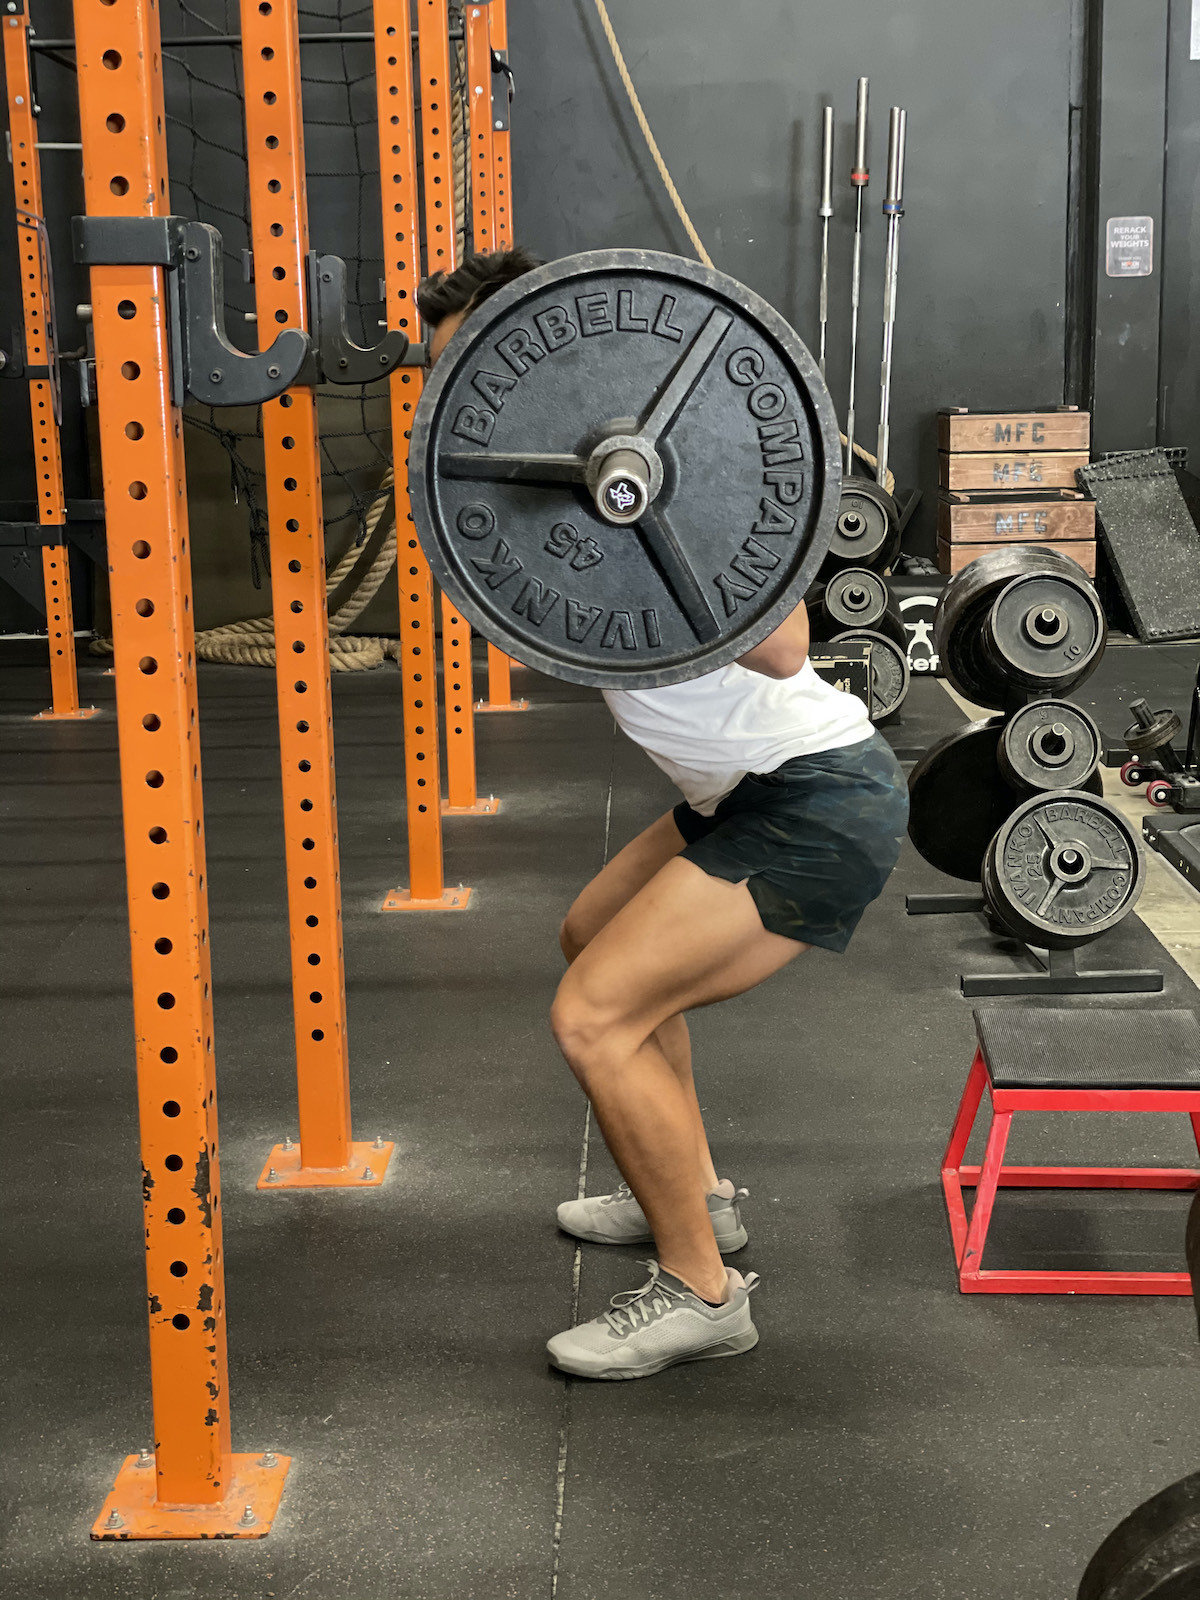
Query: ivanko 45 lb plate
x=624, y=469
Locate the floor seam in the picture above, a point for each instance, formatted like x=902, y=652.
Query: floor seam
x=564, y=1426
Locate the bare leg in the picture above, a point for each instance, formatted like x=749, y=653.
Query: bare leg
x=675, y=1042
x=684, y=940
x=613, y=887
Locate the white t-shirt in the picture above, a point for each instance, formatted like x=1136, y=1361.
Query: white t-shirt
x=707, y=734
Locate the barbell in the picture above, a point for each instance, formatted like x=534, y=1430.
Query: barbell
x=624, y=469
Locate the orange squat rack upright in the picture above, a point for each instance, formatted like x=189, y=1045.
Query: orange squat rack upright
x=501, y=135
x=426, y=889
x=39, y=355
x=482, y=177
x=433, y=55
x=326, y=1156
x=190, y=1485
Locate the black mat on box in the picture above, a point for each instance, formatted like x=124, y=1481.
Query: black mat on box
x=1150, y=540
x=1105, y=1048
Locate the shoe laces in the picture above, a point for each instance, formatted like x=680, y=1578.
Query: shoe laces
x=635, y=1308
x=623, y=1193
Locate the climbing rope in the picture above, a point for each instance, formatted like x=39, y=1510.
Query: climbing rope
x=252, y=643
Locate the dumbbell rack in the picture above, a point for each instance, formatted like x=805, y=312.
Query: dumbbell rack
x=1060, y=974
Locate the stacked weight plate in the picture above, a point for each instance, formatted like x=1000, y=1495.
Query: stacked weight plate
x=1016, y=800
x=854, y=606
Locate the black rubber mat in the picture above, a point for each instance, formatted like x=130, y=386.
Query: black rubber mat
x=887, y=1438
x=1163, y=674
x=1151, y=542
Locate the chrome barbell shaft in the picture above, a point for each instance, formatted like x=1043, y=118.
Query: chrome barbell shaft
x=859, y=177
x=826, y=213
x=893, y=210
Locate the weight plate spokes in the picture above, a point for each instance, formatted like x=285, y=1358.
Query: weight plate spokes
x=957, y=799
x=1049, y=744
x=624, y=469
x=868, y=528
x=1057, y=651
x=889, y=670
x=1063, y=869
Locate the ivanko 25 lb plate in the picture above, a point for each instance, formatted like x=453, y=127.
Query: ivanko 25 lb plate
x=624, y=469
x=1064, y=868
x=889, y=670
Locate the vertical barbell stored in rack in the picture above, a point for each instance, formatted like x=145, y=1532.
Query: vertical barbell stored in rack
x=36, y=301
x=190, y=1485
x=433, y=57
x=481, y=176
x=426, y=889
x=327, y=1155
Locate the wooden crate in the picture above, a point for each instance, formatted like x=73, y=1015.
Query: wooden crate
x=954, y=557
x=992, y=518
x=1019, y=470
x=1061, y=429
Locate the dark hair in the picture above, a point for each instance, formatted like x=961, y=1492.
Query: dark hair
x=444, y=293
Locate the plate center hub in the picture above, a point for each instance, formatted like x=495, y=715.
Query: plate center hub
x=1070, y=862
x=1054, y=745
x=1045, y=624
x=625, y=476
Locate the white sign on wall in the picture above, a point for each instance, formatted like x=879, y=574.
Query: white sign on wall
x=1129, y=247
x=1196, y=30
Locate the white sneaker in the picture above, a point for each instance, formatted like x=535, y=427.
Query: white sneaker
x=618, y=1219
x=657, y=1326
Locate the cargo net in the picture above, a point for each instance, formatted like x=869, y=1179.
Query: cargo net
x=209, y=182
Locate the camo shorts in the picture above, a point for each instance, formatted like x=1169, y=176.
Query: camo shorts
x=814, y=841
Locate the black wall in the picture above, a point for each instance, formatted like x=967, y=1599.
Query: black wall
x=1179, y=374
x=735, y=95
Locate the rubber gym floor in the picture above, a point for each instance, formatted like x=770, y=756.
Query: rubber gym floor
x=888, y=1438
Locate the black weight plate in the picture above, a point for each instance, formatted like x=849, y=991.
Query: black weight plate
x=1064, y=868
x=962, y=611
x=868, y=528
x=1045, y=631
x=889, y=670
x=1049, y=744
x=1163, y=727
x=1154, y=1553
x=624, y=469
x=856, y=597
x=957, y=799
